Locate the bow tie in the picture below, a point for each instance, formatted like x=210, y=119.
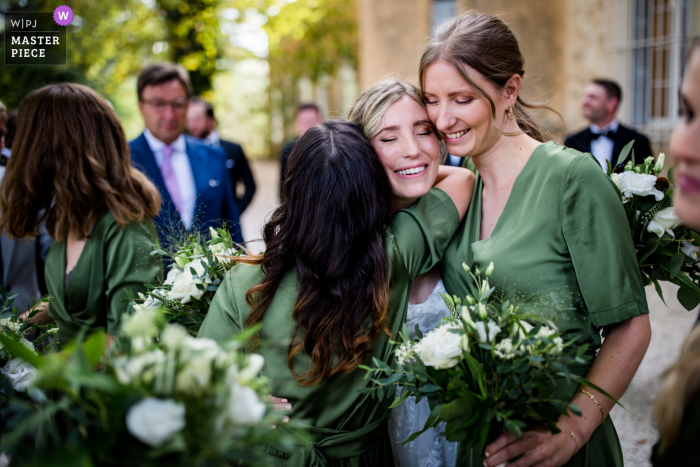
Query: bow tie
x=610, y=134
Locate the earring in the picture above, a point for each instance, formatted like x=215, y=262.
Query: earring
x=510, y=112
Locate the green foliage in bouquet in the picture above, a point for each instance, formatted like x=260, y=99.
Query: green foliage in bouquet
x=666, y=249
x=168, y=401
x=197, y=268
x=486, y=369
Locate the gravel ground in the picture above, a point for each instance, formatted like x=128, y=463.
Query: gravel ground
x=670, y=325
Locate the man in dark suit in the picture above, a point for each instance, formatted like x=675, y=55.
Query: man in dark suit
x=189, y=174
x=605, y=137
x=202, y=124
x=308, y=115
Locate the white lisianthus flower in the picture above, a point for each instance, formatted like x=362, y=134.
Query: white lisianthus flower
x=172, y=276
x=244, y=406
x=481, y=311
x=659, y=166
x=504, y=349
x=441, y=348
x=690, y=250
x=489, y=270
x=487, y=332
x=664, y=221
x=632, y=184
x=185, y=286
x=19, y=373
x=155, y=421
x=252, y=369
x=173, y=336
x=194, y=378
x=522, y=330
x=143, y=322
x=140, y=368
x=467, y=316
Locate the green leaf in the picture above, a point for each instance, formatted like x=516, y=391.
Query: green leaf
x=576, y=410
x=676, y=263
x=658, y=289
x=648, y=252
x=625, y=152
x=671, y=176
x=429, y=388
x=19, y=350
x=609, y=169
x=688, y=298
x=695, y=236
x=404, y=395
x=683, y=280
x=94, y=347
x=455, y=409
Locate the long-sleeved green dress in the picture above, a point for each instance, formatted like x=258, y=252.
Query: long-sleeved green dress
x=563, y=233
x=113, y=260
x=348, y=429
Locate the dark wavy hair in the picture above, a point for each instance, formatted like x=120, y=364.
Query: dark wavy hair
x=329, y=232
x=70, y=161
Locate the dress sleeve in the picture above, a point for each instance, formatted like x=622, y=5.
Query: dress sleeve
x=598, y=236
x=223, y=319
x=129, y=266
x=423, y=231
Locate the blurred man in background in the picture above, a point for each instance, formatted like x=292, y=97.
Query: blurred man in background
x=201, y=123
x=190, y=175
x=605, y=137
x=308, y=115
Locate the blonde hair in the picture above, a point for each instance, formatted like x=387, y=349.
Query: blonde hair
x=486, y=44
x=679, y=383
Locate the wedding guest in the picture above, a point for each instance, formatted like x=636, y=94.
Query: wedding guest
x=331, y=289
x=307, y=115
x=677, y=410
x=553, y=225
x=189, y=174
x=202, y=123
x=78, y=178
x=392, y=116
x=606, y=136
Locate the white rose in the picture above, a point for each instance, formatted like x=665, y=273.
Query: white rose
x=504, y=349
x=185, y=286
x=485, y=336
x=155, y=421
x=19, y=373
x=441, y=348
x=244, y=406
x=250, y=371
x=522, y=330
x=173, y=336
x=172, y=276
x=664, y=221
x=690, y=250
x=639, y=184
x=143, y=322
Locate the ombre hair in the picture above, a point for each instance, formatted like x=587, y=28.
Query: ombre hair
x=328, y=232
x=368, y=110
x=487, y=45
x=70, y=161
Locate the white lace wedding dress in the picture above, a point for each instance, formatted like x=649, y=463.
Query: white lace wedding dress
x=429, y=449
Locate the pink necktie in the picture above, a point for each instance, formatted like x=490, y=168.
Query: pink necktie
x=169, y=177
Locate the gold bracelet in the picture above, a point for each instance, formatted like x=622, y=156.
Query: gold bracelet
x=592, y=397
x=572, y=436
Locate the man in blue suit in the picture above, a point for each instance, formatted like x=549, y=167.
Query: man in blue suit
x=191, y=176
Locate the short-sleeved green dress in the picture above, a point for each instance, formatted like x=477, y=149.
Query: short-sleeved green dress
x=349, y=429
x=113, y=260
x=563, y=232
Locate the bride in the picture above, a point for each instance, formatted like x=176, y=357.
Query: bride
x=393, y=117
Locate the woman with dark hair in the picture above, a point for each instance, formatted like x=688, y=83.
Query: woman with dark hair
x=552, y=223
x=70, y=167
x=677, y=410
x=332, y=288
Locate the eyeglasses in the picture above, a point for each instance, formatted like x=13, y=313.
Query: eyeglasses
x=179, y=106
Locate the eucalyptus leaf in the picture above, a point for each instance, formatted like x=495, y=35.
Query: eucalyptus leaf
x=689, y=299
x=676, y=263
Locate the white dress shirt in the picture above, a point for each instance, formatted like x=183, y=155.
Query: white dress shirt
x=602, y=148
x=183, y=173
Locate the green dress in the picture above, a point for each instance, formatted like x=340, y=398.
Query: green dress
x=563, y=233
x=113, y=260
x=348, y=429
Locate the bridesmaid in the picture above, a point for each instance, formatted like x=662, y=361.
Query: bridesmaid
x=331, y=288
x=70, y=167
x=677, y=410
x=552, y=223
x=392, y=116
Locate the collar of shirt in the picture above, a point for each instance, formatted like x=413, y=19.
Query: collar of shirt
x=157, y=145
x=213, y=139
x=613, y=126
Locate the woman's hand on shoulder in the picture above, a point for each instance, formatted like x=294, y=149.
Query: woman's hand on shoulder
x=458, y=183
